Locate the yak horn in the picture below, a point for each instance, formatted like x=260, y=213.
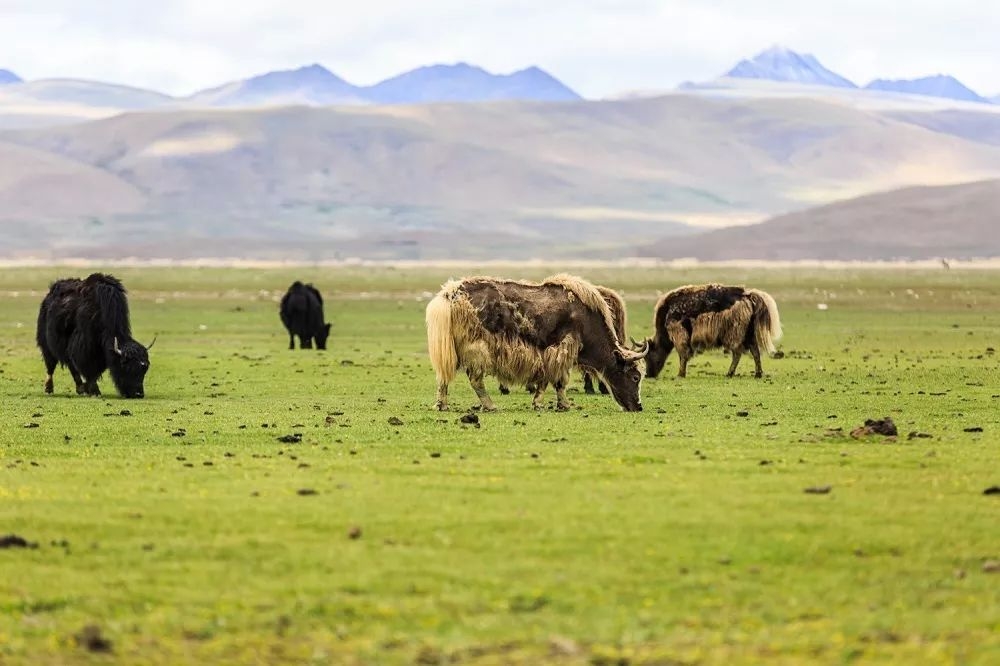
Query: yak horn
x=150, y=345
x=635, y=344
x=117, y=348
x=635, y=355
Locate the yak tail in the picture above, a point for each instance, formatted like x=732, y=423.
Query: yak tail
x=110, y=296
x=440, y=342
x=766, y=321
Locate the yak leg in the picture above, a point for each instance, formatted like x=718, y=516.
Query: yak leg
x=562, y=402
x=81, y=385
x=307, y=342
x=588, y=383
x=737, y=354
x=480, y=388
x=442, y=397
x=291, y=341
x=50, y=367
x=504, y=389
x=759, y=371
x=684, y=354
x=90, y=388
x=536, y=400
x=681, y=340
x=602, y=387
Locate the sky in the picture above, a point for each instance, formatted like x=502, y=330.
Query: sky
x=597, y=47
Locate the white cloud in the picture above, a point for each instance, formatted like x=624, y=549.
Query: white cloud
x=597, y=46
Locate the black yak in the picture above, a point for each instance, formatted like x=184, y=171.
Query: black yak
x=524, y=333
x=698, y=317
x=84, y=325
x=302, y=315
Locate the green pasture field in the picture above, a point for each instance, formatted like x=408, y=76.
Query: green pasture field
x=179, y=529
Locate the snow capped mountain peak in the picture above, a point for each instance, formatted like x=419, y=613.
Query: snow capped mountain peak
x=779, y=63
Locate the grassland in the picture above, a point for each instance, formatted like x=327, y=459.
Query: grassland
x=184, y=531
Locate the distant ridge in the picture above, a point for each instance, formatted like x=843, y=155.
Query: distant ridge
x=7, y=77
x=939, y=85
x=462, y=82
x=782, y=64
x=312, y=84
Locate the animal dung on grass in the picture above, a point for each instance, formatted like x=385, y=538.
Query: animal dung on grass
x=876, y=427
x=818, y=490
x=992, y=490
x=395, y=421
x=294, y=438
x=91, y=638
x=15, y=541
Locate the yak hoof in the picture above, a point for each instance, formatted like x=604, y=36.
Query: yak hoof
x=758, y=375
x=49, y=387
x=589, y=390
x=441, y=407
x=562, y=408
x=504, y=390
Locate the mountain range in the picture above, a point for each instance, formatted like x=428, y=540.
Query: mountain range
x=453, y=162
x=783, y=65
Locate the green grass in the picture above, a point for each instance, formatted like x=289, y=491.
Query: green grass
x=592, y=536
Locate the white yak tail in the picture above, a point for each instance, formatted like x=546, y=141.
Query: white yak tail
x=440, y=342
x=766, y=320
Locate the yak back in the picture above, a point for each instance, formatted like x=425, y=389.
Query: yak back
x=539, y=314
x=618, y=312
x=302, y=308
x=692, y=300
x=109, y=296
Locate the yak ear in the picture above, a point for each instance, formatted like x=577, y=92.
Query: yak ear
x=118, y=350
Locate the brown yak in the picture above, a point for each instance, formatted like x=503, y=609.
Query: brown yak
x=698, y=317
x=620, y=316
x=523, y=332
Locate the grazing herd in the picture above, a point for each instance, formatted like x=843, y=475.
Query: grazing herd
x=529, y=334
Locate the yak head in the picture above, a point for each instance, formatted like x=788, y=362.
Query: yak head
x=128, y=364
x=656, y=357
x=625, y=376
x=322, y=335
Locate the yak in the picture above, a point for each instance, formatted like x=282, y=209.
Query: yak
x=302, y=314
x=523, y=332
x=698, y=317
x=620, y=316
x=84, y=325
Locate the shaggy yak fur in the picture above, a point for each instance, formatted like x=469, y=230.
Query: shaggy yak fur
x=302, y=315
x=620, y=316
x=523, y=333
x=84, y=325
x=699, y=317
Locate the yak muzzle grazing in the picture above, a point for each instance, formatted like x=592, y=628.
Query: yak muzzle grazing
x=84, y=325
x=698, y=317
x=523, y=332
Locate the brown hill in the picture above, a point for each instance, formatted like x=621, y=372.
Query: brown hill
x=463, y=180
x=958, y=221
